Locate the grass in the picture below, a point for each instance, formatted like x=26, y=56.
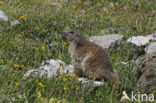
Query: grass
x=27, y=44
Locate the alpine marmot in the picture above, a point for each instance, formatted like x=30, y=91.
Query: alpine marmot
x=89, y=59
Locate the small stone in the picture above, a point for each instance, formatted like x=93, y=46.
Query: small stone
x=15, y=22
x=3, y=16
x=151, y=49
x=108, y=42
x=139, y=40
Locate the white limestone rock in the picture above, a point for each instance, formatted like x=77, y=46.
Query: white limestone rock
x=108, y=42
x=139, y=40
x=3, y=16
x=151, y=49
x=15, y=22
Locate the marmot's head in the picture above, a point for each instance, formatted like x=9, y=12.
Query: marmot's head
x=71, y=36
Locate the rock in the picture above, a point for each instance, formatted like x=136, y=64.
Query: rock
x=3, y=16
x=139, y=40
x=15, y=22
x=108, y=42
x=151, y=37
x=51, y=68
x=147, y=80
x=151, y=49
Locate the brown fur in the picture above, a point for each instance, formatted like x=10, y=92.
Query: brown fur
x=88, y=58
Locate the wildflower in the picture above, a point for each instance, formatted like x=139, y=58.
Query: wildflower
x=50, y=44
x=149, y=18
x=21, y=17
x=54, y=23
x=1, y=61
x=154, y=34
x=22, y=66
x=73, y=75
x=16, y=83
x=61, y=63
x=65, y=79
x=65, y=43
x=101, y=16
x=40, y=84
x=87, y=3
x=74, y=1
x=99, y=4
x=86, y=78
x=60, y=73
x=67, y=70
x=147, y=27
x=1, y=2
x=13, y=43
x=107, y=12
x=43, y=47
x=65, y=88
x=120, y=19
x=17, y=66
x=23, y=82
x=43, y=90
x=10, y=62
x=79, y=1
x=102, y=30
x=74, y=6
x=36, y=81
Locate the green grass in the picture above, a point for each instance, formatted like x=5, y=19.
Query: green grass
x=22, y=45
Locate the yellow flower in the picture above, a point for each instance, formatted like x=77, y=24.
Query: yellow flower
x=43, y=90
x=65, y=79
x=40, y=84
x=67, y=70
x=16, y=83
x=17, y=66
x=65, y=88
x=79, y=1
x=22, y=66
x=147, y=27
x=1, y=61
x=61, y=63
x=13, y=43
x=101, y=16
x=86, y=78
x=107, y=12
x=74, y=6
x=21, y=17
x=120, y=19
x=73, y=75
x=102, y=30
x=43, y=47
x=60, y=73
x=10, y=61
x=36, y=81
x=1, y=2
x=99, y=4
x=149, y=18
x=59, y=5
x=65, y=43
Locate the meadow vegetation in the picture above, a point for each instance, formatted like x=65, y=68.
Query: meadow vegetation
x=37, y=38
